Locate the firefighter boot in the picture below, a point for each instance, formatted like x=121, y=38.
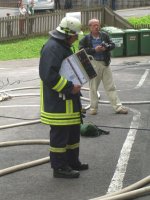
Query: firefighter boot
x=80, y=166
x=66, y=172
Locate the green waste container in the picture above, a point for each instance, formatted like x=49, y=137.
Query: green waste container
x=108, y=28
x=116, y=35
x=144, y=42
x=131, y=42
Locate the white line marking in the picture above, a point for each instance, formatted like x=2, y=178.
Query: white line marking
x=117, y=180
x=142, y=79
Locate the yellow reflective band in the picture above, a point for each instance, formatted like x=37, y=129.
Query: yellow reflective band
x=61, y=122
x=69, y=106
x=41, y=95
x=60, y=115
x=73, y=146
x=57, y=150
x=60, y=85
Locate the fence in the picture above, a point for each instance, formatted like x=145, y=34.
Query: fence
x=14, y=27
x=113, y=19
x=141, y=26
x=114, y=4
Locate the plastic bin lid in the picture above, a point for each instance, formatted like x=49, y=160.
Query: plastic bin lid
x=112, y=30
x=115, y=31
x=130, y=30
x=144, y=30
x=108, y=28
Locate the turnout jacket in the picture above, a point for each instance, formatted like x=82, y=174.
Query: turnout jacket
x=86, y=43
x=58, y=105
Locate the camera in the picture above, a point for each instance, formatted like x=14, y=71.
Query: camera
x=104, y=44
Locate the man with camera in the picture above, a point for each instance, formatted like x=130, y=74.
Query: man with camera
x=98, y=44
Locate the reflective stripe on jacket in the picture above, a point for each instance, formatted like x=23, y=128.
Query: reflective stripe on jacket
x=58, y=105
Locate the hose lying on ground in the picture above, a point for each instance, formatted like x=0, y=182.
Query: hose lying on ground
x=4, y=96
x=126, y=193
x=129, y=192
x=23, y=142
x=20, y=124
x=24, y=165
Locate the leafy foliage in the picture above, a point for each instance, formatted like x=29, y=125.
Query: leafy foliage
x=140, y=20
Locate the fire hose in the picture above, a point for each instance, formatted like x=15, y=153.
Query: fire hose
x=129, y=192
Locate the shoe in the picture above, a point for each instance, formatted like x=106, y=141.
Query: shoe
x=123, y=110
x=83, y=110
x=66, y=172
x=80, y=167
x=99, y=95
x=93, y=111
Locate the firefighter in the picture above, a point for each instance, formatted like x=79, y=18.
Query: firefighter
x=60, y=101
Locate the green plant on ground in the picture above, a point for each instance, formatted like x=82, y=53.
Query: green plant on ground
x=24, y=49
x=139, y=20
x=20, y=49
x=30, y=48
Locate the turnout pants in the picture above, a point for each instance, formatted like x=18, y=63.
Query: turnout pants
x=64, y=146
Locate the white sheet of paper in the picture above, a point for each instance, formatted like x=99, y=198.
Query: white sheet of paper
x=72, y=72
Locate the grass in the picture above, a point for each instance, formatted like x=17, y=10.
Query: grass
x=30, y=48
x=23, y=49
x=20, y=49
x=139, y=20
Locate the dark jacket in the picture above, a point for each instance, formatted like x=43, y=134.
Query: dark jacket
x=58, y=105
x=86, y=43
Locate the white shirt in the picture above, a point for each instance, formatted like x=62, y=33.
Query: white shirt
x=22, y=11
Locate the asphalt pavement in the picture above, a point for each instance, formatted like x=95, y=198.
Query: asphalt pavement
x=116, y=160
x=133, y=12
x=11, y=11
